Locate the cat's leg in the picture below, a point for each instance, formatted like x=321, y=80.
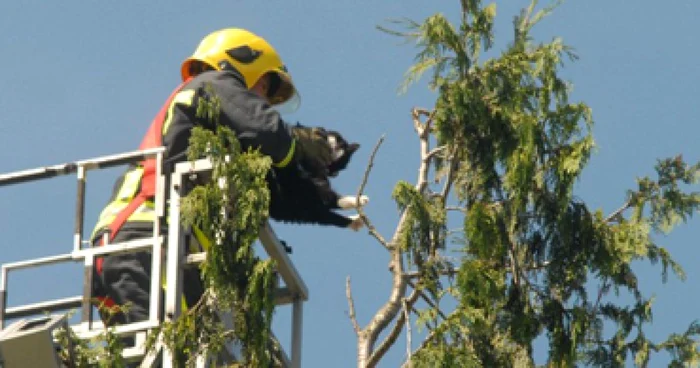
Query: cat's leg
x=349, y=202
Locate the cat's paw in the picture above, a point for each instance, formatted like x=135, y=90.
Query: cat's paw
x=356, y=223
x=349, y=202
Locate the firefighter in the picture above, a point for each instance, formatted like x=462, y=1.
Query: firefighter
x=252, y=84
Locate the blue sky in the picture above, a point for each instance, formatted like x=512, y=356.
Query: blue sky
x=84, y=79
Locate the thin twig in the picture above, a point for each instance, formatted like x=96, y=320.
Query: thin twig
x=372, y=230
x=601, y=292
x=428, y=339
x=619, y=211
x=446, y=272
x=450, y=174
x=351, y=306
x=427, y=300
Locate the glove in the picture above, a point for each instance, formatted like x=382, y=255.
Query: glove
x=312, y=151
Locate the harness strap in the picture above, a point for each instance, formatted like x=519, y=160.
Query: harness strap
x=147, y=189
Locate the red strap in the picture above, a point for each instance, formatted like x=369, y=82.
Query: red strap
x=153, y=139
x=105, y=301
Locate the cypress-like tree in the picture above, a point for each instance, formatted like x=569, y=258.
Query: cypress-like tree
x=501, y=151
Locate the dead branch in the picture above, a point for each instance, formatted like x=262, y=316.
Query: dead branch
x=351, y=306
x=367, y=356
x=398, y=327
x=360, y=211
x=434, y=152
x=446, y=272
x=618, y=212
x=427, y=300
x=407, y=317
x=450, y=174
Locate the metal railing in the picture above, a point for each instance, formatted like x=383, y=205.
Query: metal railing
x=172, y=260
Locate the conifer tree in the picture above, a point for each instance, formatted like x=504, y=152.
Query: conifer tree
x=501, y=151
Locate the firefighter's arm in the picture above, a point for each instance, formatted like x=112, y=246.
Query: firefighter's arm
x=260, y=126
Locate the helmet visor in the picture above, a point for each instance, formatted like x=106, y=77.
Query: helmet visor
x=284, y=97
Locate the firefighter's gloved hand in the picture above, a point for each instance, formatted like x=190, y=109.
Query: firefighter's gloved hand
x=312, y=149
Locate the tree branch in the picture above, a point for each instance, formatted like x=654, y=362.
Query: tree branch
x=619, y=211
x=434, y=152
x=446, y=272
x=367, y=356
x=370, y=227
x=428, y=301
x=407, y=317
x=428, y=339
x=351, y=306
x=450, y=175
x=396, y=330
x=423, y=129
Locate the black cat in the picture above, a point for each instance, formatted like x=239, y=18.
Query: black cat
x=299, y=196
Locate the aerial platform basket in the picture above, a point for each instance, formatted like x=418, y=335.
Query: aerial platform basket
x=33, y=323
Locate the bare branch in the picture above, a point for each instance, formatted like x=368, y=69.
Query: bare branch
x=450, y=174
x=367, y=356
x=427, y=300
x=446, y=272
x=370, y=227
x=351, y=306
x=434, y=152
x=432, y=335
x=618, y=212
x=423, y=129
x=396, y=331
x=407, y=317
x=456, y=208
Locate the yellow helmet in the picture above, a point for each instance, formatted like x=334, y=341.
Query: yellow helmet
x=251, y=56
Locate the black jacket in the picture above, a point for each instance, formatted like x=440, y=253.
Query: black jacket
x=251, y=118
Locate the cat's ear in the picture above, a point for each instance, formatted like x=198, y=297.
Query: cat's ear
x=352, y=148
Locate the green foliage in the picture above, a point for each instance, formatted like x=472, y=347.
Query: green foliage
x=102, y=351
x=532, y=252
x=229, y=210
x=424, y=234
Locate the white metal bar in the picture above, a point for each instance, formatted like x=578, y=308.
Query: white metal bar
x=114, y=248
x=83, y=331
x=119, y=158
x=157, y=252
x=193, y=166
x=175, y=252
x=196, y=258
x=285, y=267
x=79, y=209
x=37, y=262
x=3, y=295
x=68, y=168
x=47, y=306
x=297, y=321
x=86, y=312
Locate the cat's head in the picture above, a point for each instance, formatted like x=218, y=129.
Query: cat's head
x=342, y=152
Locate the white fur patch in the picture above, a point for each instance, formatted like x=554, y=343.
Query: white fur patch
x=349, y=202
x=337, y=151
